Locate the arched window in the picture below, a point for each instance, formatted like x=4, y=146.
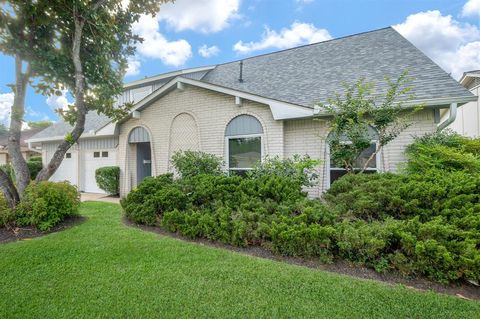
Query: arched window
x=244, y=143
x=336, y=170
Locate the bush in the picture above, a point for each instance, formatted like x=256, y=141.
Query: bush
x=443, y=150
x=191, y=163
x=108, y=179
x=422, y=222
x=151, y=197
x=297, y=168
x=35, y=165
x=46, y=204
x=6, y=214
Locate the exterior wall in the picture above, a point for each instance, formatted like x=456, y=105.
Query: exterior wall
x=3, y=158
x=211, y=112
x=79, y=152
x=196, y=119
x=467, y=122
x=308, y=136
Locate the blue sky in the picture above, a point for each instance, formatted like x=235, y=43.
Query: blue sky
x=202, y=32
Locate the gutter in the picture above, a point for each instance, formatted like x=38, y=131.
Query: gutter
x=451, y=118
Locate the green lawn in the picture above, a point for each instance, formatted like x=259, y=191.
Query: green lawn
x=104, y=269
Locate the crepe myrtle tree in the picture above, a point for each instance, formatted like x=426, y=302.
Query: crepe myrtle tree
x=77, y=45
x=360, y=108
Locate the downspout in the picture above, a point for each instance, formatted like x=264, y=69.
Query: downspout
x=451, y=118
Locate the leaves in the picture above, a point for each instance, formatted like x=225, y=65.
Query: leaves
x=361, y=115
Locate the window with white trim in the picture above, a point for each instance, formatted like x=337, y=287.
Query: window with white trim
x=337, y=170
x=244, y=143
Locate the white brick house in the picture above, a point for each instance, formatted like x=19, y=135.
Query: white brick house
x=270, y=110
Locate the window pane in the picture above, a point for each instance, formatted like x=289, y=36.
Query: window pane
x=361, y=160
x=365, y=155
x=244, y=152
x=68, y=155
x=336, y=174
x=104, y=154
x=96, y=154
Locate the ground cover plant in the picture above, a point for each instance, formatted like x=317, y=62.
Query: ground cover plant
x=105, y=269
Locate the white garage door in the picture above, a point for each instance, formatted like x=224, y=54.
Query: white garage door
x=92, y=161
x=67, y=171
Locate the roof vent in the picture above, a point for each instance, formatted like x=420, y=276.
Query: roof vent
x=240, y=79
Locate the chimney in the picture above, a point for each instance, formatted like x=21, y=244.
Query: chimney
x=240, y=79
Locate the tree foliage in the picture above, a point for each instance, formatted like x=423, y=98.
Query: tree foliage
x=360, y=111
x=81, y=46
x=39, y=124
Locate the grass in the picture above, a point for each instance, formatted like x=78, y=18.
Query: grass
x=104, y=269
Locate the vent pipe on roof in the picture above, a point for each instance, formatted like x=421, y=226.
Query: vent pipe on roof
x=240, y=79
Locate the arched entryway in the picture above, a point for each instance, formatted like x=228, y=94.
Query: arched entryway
x=139, y=140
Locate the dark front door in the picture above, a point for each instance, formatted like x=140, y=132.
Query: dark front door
x=144, y=161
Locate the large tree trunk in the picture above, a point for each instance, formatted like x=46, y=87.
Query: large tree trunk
x=22, y=173
x=9, y=191
x=81, y=109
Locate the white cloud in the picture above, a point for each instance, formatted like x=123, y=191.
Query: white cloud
x=451, y=44
x=133, y=67
x=471, y=8
x=208, y=52
x=304, y=1
x=156, y=46
x=58, y=101
x=6, y=101
x=297, y=34
x=199, y=15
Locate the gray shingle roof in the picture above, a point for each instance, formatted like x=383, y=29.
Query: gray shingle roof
x=93, y=121
x=310, y=74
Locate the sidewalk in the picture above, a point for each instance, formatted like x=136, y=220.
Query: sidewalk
x=99, y=198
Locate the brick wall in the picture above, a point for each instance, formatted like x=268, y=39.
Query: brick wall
x=206, y=114
x=210, y=111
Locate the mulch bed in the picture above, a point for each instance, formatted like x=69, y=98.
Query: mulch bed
x=462, y=290
x=25, y=233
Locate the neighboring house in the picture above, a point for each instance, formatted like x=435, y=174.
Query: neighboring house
x=26, y=151
x=467, y=121
x=264, y=105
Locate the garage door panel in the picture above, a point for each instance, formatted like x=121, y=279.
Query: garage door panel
x=67, y=171
x=92, y=161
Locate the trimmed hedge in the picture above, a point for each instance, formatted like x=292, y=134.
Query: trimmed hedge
x=108, y=179
x=423, y=224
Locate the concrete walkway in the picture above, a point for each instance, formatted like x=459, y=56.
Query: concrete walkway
x=99, y=198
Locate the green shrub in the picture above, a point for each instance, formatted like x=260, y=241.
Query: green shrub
x=301, y=169
x=35, y=165
x=426, y=157
x=6, y=214
x=192, y=163
x=46, y=204
x=152, y=196
x=305, y=240
x=108, y=179
x=420, y=224
x=444, y=150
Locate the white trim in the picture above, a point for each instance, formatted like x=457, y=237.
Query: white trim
x=227, y=150
x=280, y=110
x=167, y=75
